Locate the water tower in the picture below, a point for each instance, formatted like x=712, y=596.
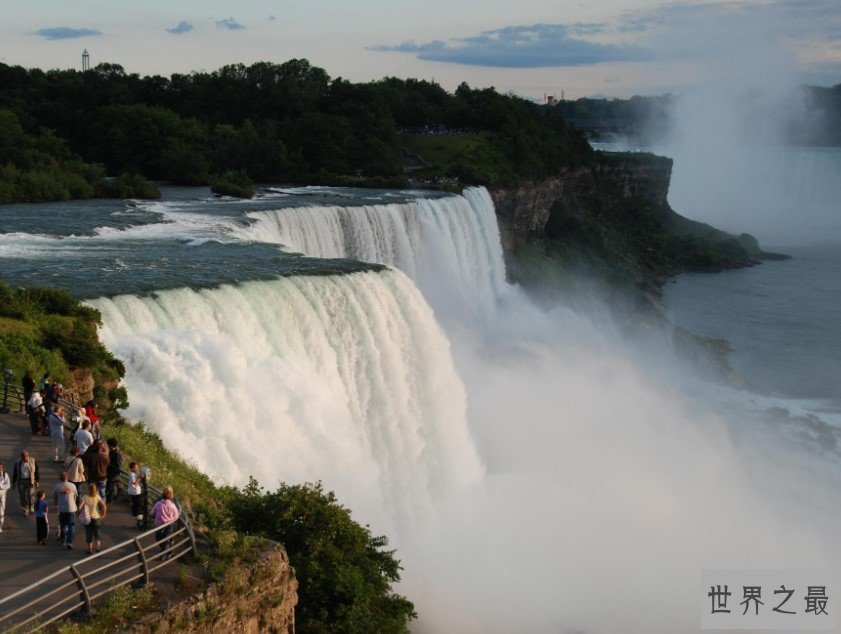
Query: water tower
x=86, y=60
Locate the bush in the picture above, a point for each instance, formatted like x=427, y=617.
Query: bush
x=233, y=183
x=345, y=572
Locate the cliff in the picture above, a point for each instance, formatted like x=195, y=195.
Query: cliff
x=259, y=598
x=612, y=219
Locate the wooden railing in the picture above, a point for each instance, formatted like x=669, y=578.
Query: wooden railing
x=75, y=588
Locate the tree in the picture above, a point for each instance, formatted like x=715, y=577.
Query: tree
x=345, y=573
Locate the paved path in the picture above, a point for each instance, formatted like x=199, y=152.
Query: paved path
x=22, y=560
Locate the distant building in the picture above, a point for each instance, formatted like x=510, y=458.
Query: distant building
x=86, y=60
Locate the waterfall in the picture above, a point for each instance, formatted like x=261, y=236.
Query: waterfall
x=346, y=378
x=448, y=245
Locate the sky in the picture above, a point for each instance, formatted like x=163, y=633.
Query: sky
x=532, y=47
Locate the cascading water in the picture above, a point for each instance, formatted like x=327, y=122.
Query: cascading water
x=579, y=469
x=448, y=245
x=343, y=378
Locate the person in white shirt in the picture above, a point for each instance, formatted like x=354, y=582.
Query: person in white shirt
x=35, y=406
x=83, y=437
x=5, y=485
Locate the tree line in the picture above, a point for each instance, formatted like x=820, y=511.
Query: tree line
x=287, y=122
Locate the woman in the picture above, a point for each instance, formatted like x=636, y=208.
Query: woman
x=91, y=513
x=164, y=512
x=28, y=386
x=56, y=424
x=75, y=468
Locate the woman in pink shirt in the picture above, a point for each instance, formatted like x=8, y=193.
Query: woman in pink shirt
x=164, y=512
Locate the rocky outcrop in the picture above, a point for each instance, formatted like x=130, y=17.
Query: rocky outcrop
x=254, y=599
x=614, y=217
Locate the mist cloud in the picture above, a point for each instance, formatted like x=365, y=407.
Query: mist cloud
x=229, y=24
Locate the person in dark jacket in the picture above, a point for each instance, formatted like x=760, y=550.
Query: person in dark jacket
x=28, y=387
x=115, y=464
x=96, y=466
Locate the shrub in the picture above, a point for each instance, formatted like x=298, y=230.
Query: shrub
x=233, y=183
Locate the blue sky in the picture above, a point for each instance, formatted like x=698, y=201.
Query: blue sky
x=613, y=47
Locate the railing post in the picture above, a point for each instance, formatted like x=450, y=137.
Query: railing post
x=143, y=561
x=86, y=597
x=189, y=526
x=144, y=491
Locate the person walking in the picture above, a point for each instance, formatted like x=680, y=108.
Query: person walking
x=91, y=513
x=56, y=424
x=66, y=500
x=75, y=467
x=115, y=465
x=25, y=478
x=164, y=512
x=5, y=485
x=42, y=522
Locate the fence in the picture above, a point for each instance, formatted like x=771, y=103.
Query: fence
x=82, y=583
x=75, y=588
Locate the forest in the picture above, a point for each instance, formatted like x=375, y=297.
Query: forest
x=266, y=122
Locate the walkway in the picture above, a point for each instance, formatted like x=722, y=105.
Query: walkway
x=22, y=560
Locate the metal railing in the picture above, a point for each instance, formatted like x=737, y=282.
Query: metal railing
x=75, y=588
x=87, y=577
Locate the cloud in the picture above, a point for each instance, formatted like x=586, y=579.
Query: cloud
x=66, y=33
x=271, y=18
x=230, y=24
x=536, y=46
x=181, y=28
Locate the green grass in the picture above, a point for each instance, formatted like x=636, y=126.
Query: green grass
x=442, y=150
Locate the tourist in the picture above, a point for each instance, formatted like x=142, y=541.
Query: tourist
x=66, y=498
x=25, y=477
x=90, y=412
x=42, y=523
x=35, y=410
x=83, y=437
x=91, y=513
x=115, y=465
x=28, y=386
x=164, y=512
x=96, y=465
x=135, y=491
x=75, y=467
x=56, y=423
x=45, y=380
x=5, y=485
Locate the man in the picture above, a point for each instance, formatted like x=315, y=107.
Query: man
x=5, y=485
x=115, y=464
x=35, y=409
x=83, y=437
x=66, y=501
x=96, y=466
x=25, y=477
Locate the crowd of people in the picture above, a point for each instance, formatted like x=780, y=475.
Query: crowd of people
x=90, y=480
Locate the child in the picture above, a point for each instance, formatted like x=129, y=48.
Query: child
x=135, y=491
x=41, y=521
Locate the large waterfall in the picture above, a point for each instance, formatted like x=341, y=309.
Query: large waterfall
x=528, y=469
x=343, y=378
x=447, y=244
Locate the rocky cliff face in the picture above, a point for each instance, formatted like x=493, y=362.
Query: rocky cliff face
x=613, y=216
x=257, y=599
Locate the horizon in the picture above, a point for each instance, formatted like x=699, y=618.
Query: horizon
x=617, y=49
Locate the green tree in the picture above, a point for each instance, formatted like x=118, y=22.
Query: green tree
x=345, y=572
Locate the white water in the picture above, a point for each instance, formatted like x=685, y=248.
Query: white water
x=348, y=379
x=610, y=482
x=450, y=246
